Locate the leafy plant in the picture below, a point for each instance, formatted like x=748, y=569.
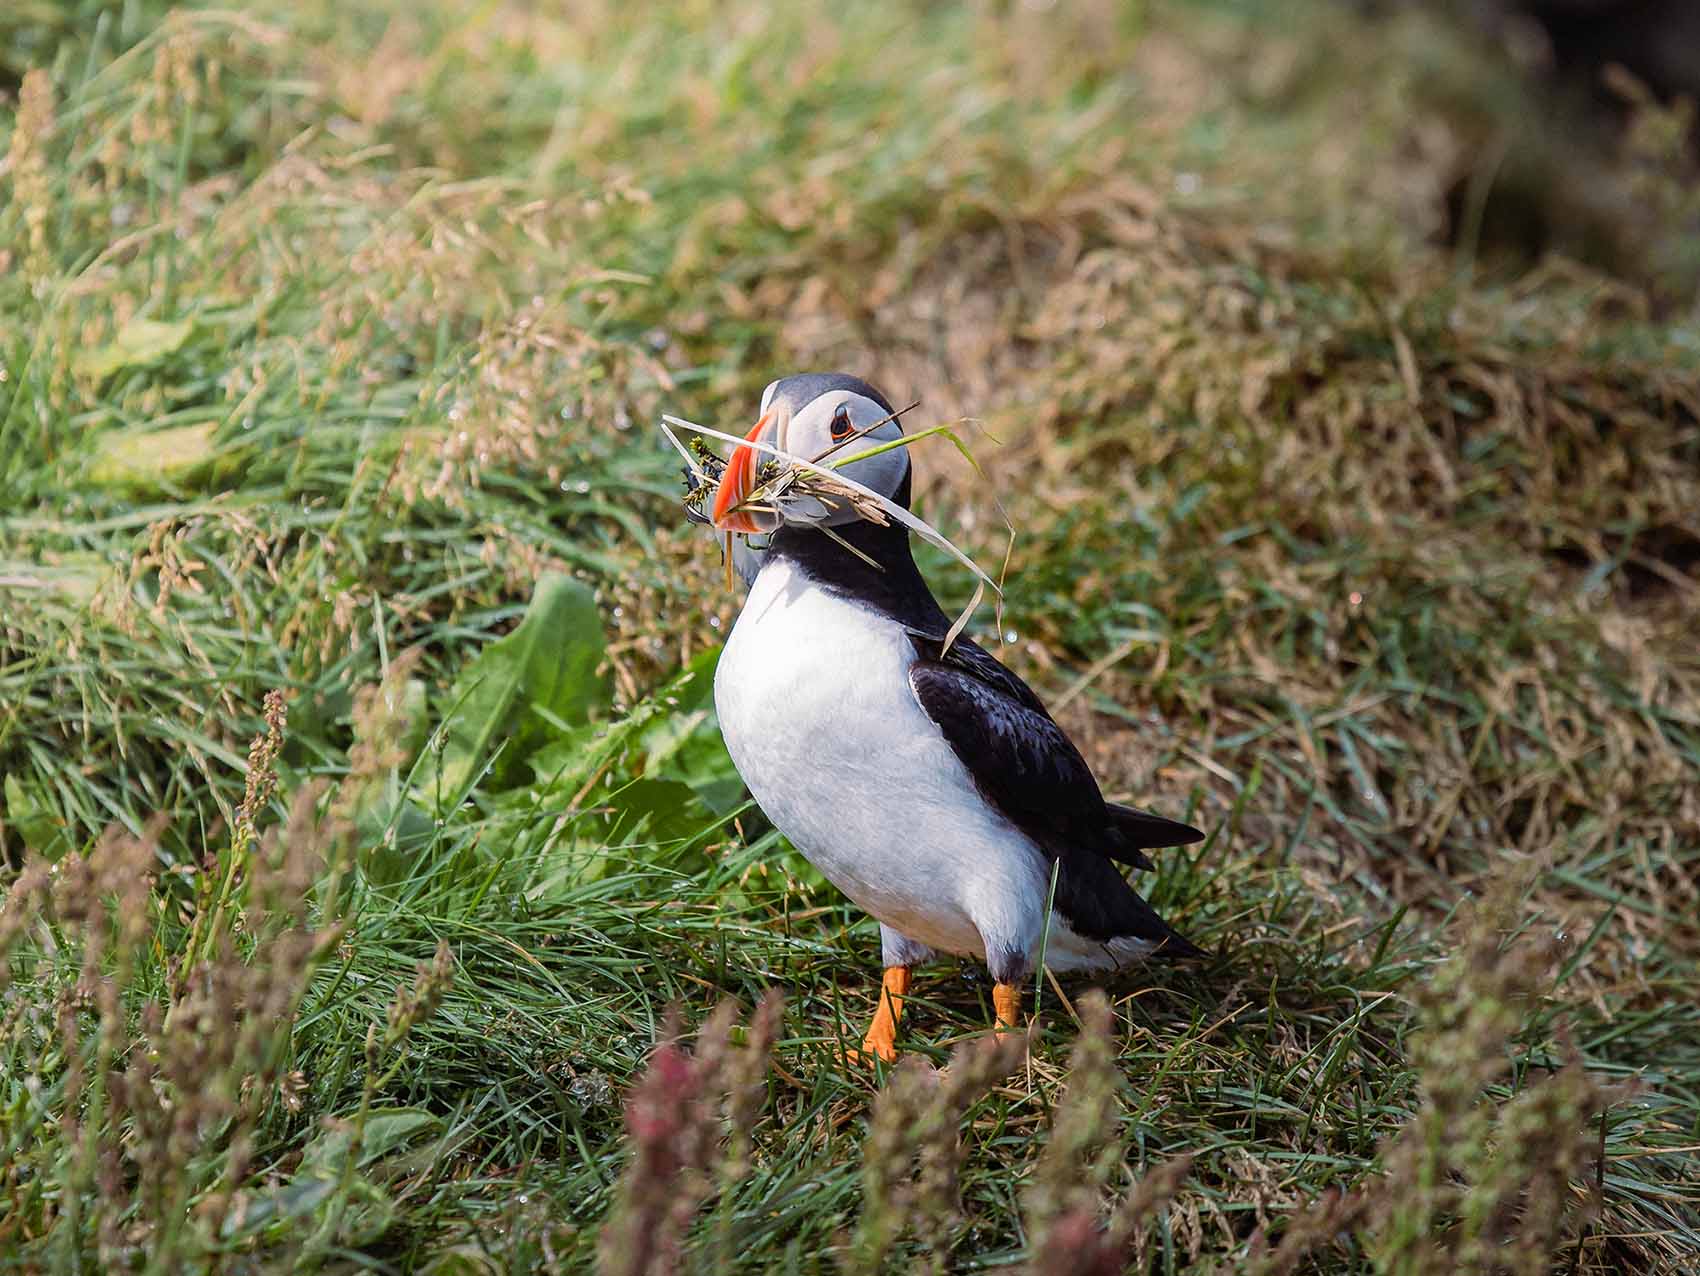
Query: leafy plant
x=520, y=690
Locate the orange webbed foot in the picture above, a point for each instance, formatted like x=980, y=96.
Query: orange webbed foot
x=881, y=1041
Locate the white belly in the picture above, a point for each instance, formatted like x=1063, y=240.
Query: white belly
x=814, y=702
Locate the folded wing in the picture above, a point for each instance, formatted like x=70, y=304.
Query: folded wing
x=1023, y=764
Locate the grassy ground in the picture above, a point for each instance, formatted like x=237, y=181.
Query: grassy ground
x=330, y=344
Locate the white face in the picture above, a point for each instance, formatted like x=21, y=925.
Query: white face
x=834, y=425
x=831, y=427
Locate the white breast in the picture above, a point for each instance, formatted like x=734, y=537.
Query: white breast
x=814, y=702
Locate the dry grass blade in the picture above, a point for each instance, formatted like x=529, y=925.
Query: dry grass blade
x=890, y=508
x=691, y=462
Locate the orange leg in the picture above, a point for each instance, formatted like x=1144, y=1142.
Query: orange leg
x=882, y=1033
x=1006, y=1000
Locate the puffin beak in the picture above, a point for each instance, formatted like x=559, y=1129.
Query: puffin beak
x=737, y=483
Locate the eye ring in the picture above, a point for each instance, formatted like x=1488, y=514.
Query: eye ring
x=842, y=426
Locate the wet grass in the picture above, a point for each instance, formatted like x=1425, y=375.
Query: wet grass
x=332, y=347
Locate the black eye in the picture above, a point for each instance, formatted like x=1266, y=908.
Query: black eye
x=841, y=427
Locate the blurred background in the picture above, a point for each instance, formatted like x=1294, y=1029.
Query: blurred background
x=1337, y=366
x=1504, y=128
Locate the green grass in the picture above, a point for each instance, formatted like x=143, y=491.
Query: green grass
x=332, y=349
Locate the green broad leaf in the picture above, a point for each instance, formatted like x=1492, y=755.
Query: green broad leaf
x=32, y=821
x=635, y=819
x=663, y=811
x=369, y=1212
x=673, y=736
x=151, y=458
x=684, y=742
x=507, y=695
x=393, y=830
x=574, y=755
x=387, y=1130
x=686, y=712
x=137, y=344
x=298, y=1198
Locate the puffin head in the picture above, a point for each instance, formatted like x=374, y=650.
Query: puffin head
x=816, y=416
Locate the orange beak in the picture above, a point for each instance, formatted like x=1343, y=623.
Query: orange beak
x=736, y=484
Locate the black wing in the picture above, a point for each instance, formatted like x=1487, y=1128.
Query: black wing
x=1023, y=764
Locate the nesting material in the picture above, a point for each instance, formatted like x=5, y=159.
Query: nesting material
x=806, y=491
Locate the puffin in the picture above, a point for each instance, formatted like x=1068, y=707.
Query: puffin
x=923, y=779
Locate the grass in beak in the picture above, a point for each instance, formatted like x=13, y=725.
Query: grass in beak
x=889, y=444
x=967, y=455
x=847, y=545
x=863, y=497
x=692, y=464
x=865, y=431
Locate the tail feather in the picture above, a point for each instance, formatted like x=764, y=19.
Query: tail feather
x=1150, y=926
x=1177, y=947
x=1130, y=832
x=1098, y=903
